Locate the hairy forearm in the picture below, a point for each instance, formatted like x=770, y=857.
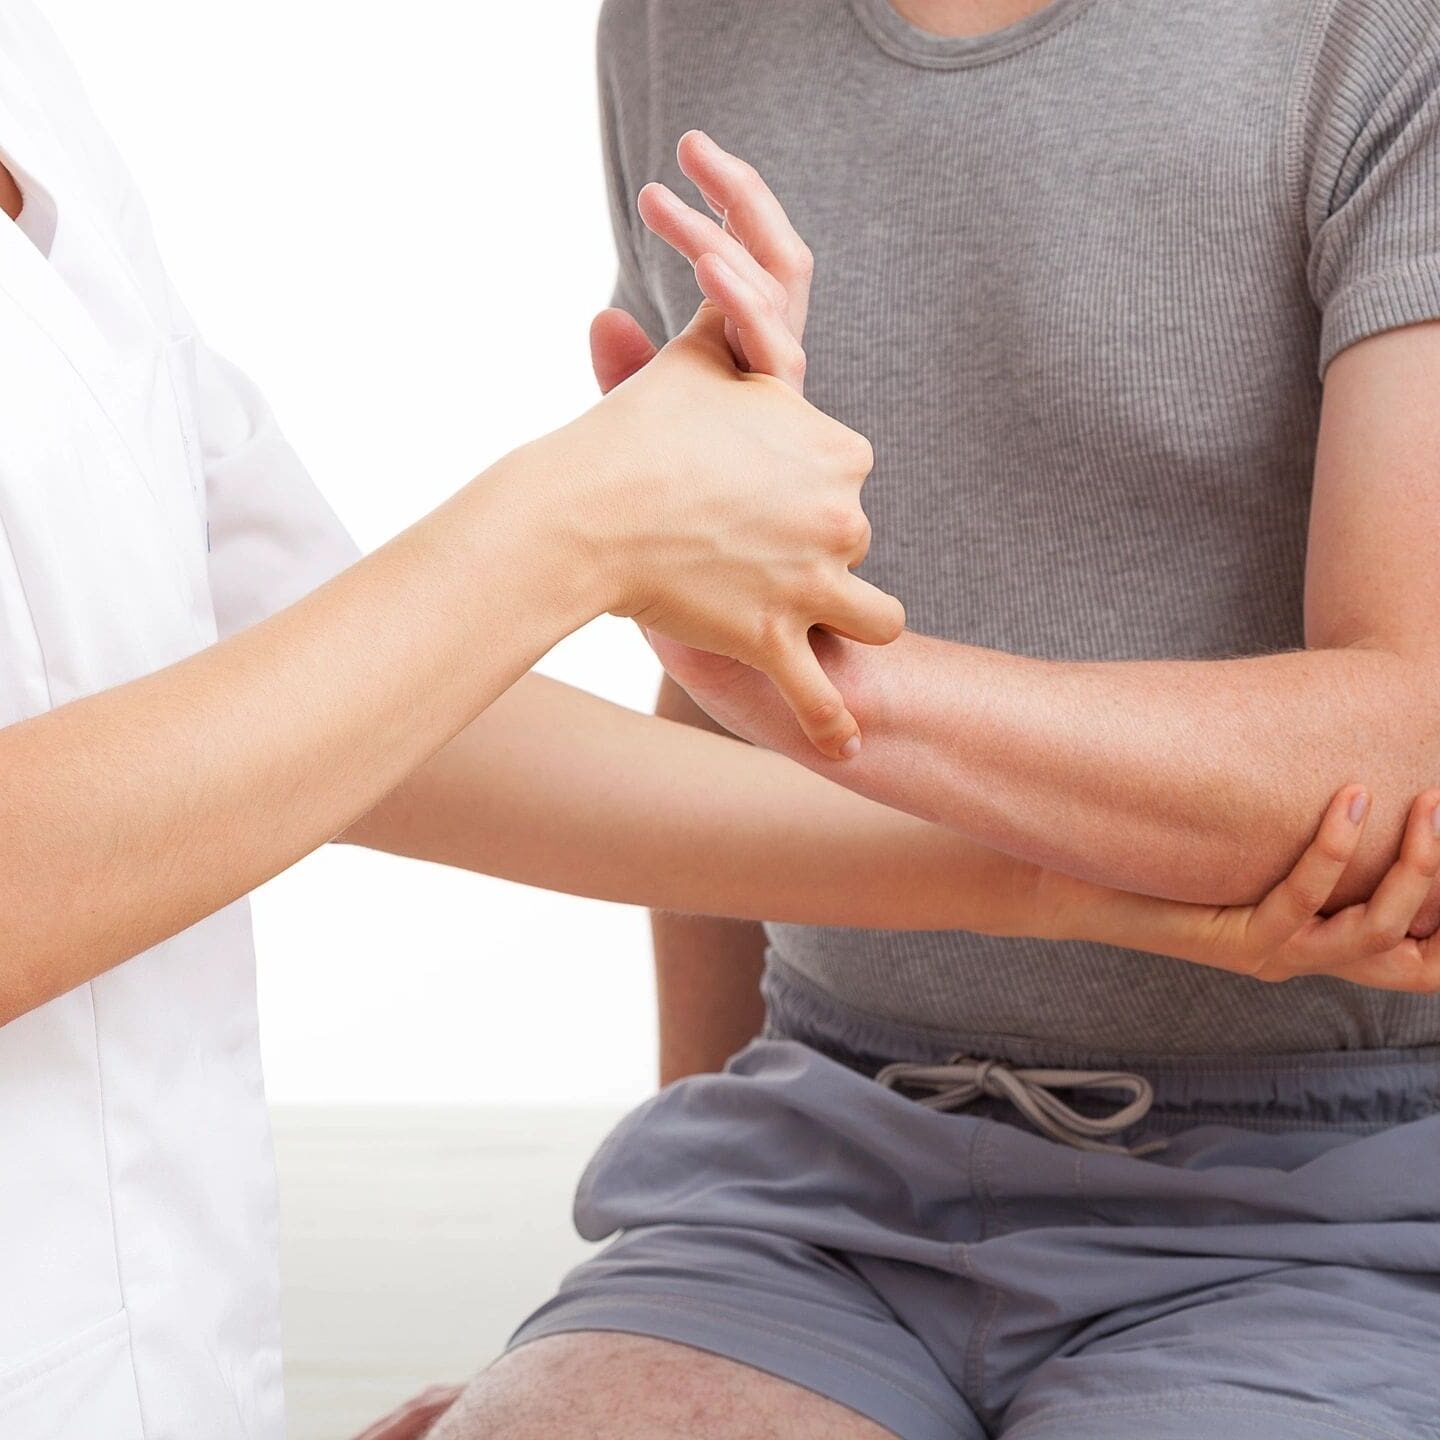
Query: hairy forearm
x=556, y=788
x=1195, y=780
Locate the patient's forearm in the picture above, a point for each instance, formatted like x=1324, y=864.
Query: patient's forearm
x=1196, y=780
x=556, y=788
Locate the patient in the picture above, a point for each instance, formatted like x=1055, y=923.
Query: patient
x=973, y=1186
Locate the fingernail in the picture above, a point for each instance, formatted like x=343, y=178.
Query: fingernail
x=851, y=748
x=1358, y=806
x=1435, y=821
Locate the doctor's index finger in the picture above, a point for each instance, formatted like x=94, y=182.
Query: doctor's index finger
x=1302, y=894
x=865, y=613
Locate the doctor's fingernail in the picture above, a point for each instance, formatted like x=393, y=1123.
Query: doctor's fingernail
x=851, y=748
x=1358, y=806
x=1435, y=821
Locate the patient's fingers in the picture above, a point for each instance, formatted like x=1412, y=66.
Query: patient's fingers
x=865, y=613
x=1392, y=909
x=768, y=345
x=817, y=704
x=736, y=192
x=1302, y=894
x=685, y=229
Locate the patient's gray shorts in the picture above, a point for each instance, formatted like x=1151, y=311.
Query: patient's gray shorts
x=1272, y=1274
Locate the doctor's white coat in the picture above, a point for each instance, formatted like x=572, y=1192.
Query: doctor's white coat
x=147, y=503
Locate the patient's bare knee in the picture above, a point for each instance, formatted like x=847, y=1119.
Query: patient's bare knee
x=598, y=1386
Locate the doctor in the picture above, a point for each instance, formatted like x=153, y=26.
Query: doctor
x=150, y=777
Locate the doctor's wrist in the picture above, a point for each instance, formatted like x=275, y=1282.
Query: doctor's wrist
x=567, y=499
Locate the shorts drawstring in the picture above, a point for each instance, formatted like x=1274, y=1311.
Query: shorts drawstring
x=962, y=1080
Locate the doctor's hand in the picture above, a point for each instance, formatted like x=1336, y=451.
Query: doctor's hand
x=729, y=512
x=1287, y=935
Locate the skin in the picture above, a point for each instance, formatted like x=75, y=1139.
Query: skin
x=1207, y=790
x=131, y=815
x=1204, y=792
x=968, y=17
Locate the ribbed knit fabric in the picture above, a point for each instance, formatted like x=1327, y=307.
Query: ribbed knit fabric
x=1078, y=281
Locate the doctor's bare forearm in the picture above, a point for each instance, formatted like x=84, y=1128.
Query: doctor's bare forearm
x=639, y=809
x=131, y=815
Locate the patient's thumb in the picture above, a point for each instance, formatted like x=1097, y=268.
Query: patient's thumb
x=618, y=348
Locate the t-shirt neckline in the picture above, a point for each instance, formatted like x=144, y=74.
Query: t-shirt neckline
x=898, y=37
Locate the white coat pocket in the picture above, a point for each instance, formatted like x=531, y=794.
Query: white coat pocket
x=80, y=1389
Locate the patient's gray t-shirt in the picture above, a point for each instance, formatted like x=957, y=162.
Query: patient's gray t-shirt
x=1079, y=282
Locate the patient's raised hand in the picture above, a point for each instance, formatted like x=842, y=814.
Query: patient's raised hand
x=752, y=240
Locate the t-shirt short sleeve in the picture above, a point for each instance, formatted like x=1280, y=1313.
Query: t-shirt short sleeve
x=1372, y=169
x=623, y=54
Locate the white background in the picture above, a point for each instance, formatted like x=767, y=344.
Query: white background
x=393, y=217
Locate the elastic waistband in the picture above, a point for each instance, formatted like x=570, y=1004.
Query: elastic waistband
x=1361, y=1090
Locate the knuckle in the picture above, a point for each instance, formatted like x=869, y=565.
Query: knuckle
x=1336, y=851
x=1305, y=895
x=1380, y=938
x=770, y=636
x=845, y=528
x=822, y=712
x=799, y=260
x=854, y=451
